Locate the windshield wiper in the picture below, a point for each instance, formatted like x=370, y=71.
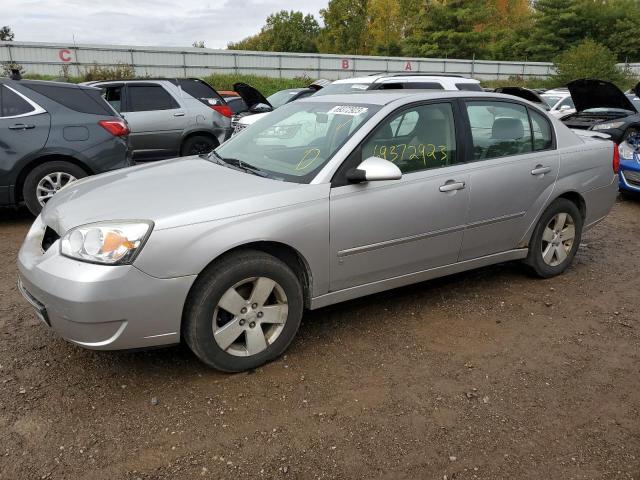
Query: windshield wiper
x=239, y=164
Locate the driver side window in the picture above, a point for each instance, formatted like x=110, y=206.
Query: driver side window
x=416, y=139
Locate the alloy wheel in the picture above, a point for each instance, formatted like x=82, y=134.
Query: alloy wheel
x=250, y=316
x=557, y=239
x=49, y=185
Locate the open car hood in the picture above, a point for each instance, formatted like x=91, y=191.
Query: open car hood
x=591, y=93
x=250, y=95
x=319, y=84
x=524, y=93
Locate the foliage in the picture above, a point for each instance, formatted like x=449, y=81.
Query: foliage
x=199, y=44
x=265, y=85
x=6, y=34
x=589, y=59
x=8, y=66
x=120, y=71
x=284, y=32
x=345, y=27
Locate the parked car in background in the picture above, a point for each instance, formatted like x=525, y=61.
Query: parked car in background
x=52, y=134
x=559, y=101
x=324, y=200
x=169, y=117
x=630, y=165
x=526, y=94
x=602, y=107
x=235, y=102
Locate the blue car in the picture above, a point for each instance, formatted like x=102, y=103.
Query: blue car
x=630, y=165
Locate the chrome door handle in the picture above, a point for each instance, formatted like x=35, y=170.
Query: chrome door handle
x=540, y=170
x=178, y=114
x=21, y=126
x=451, y=186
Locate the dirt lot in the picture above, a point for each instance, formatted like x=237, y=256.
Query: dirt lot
x=490, y=374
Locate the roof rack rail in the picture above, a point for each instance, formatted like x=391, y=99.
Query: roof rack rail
x=418, y=74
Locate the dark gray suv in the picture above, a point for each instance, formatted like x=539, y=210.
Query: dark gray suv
x=52, y=133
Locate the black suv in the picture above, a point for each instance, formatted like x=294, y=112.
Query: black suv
x=52, y=133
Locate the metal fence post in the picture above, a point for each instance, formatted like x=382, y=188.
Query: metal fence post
x=235, y=63
x=473, y=65
x=184, y=64
x=280, y=66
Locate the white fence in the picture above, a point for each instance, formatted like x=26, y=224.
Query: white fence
x=48, y=59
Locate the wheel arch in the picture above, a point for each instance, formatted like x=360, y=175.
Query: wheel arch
x=575, y=198
x=198, y=133
x=286, y=253
x=35, y=162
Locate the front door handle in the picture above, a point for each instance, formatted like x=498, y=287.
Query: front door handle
x=178, y=114
x=540, y=170
x=21, y=126
x=451, y=186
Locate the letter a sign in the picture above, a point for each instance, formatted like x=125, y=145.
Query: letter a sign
x=407, y=67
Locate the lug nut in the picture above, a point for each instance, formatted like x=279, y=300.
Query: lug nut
x=242, y=322
x=260, y=314
x=255, y=305
x=252, y=324
x=243, y=310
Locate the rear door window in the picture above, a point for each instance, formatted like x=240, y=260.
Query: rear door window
x=12, y=105
x=144, y=98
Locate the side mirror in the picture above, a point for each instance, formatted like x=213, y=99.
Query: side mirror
x=374, y=169
x=260, y=108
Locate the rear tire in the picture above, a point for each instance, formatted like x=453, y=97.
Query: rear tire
x=198, y=145
x=556, y=239
x=45, y=180
x=252, y=301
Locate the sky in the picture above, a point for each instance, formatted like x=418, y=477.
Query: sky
x=143, y=22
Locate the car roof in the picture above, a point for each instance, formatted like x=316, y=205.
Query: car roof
x=47, y=82
x=408, y=76
x=385, y=97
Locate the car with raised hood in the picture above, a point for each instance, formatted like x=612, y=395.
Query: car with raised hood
x=325, y=199
x=602, y=107
x=52, y=133
x=169, y=117
x=526, y=94
x=559, y=101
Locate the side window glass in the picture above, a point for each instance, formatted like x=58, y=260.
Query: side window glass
x=567, y=102
x=113, y=96
x=499, y=129
x=416, y=139
x=144, y=98
x=13, y=104
x=542, y=139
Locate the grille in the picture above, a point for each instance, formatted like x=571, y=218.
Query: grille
x=50, y=237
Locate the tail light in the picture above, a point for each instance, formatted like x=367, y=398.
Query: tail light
x=223, y=110
x=616, y=159
x=117, y=128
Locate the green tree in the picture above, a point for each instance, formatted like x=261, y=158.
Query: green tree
x=284, y=32
x=589, y=59
x=199, y=44
x=345, y=27
x=6, y=34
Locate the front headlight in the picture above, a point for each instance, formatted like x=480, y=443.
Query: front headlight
x=627, y=152
x=110, y=243
x=607, y=125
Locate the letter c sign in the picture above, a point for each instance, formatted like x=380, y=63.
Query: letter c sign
x=64, y=55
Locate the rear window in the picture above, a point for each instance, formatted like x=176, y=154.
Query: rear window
x=469, y=87
x=83, y=100
x=11, y=104
x=200, y=90
x=412, y=86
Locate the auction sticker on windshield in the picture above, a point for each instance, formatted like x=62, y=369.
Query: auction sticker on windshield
x=348, y=110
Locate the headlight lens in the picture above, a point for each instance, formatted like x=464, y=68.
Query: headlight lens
x=111, y=243
x=627, y=152
x=607, y=125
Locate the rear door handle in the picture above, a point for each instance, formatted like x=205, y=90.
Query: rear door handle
x=540, y=170
x=21, y=126
x=451, y=186
x=178, y=114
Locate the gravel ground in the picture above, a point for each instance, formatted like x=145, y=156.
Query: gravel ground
x=490, y=374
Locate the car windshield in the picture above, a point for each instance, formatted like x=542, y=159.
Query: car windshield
x=283, y=96
x=294, y=142
x=348, y=87
x=551, y=100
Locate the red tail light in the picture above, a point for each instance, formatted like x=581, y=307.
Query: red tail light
x=117, y=128
x=224, y=110
x=616, y=159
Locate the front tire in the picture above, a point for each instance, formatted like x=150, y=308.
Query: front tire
x=555, y=239
x=198, y=145
x=43, y=182
x=243, y=311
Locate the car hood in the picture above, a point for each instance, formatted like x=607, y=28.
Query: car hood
x=250, y=95
x=590, y=93
x=524, y=93
x=170, y=193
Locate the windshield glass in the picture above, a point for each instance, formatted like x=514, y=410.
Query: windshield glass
x=551, y=100
x=294, y=142
x=343, y=88
x=283, y=96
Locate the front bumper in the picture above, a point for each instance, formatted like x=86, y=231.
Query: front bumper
x=99, y=306
x=629, y=175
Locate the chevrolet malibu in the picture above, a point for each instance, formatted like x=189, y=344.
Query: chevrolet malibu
x=323, y=200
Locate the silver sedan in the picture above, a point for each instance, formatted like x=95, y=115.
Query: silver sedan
x=323, y=200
